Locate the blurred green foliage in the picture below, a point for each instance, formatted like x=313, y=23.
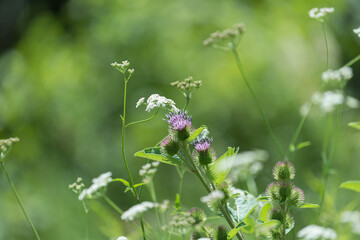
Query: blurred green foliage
x=61, y=97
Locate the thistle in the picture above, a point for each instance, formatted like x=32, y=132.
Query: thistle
x=169, y=146
x=180, y=123
x=204, y=153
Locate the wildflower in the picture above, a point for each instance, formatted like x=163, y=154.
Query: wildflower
x=98, y=184
x=6, y=144
x=213, y=197
x=137, y=210
x=228, y=39
x=284, y=171
x=352, y=102
x=140, y=101
x=198, y=215
x=314, y=232
x=187, y=85
x=353, y=218
x=180, y=122
x=169, y=145
x=182, y=221
x=328, y=100
x=204, y=154
x=320, y=14
x=77, y=186
x=123, y=66
x=357, y=31
x=122, y=238
x=337, y=77
x=131, y=71
x=156, y=101
x=297, y=197
x=148, y=171
x=221, y=233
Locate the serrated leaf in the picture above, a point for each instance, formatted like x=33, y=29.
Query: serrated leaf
x=234, y=231
x=264, y=213
x=244, y=206
x=309, y=205
x=154, y=153
x=351, y=185
x=250, y=225
x=195, y=134
x=222, y=174
x=354, y=125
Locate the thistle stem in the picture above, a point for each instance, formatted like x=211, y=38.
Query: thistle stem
x=143, y=121
x=256, y=99
x=19, y=202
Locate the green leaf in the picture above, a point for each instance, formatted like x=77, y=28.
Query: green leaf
x=264, y=216
x=354, y=125
x=351, y=185
x=245, y=204
x=250, y=225
x=267, y=226
x=309, y=205
x=303, y=145
x=234, y=231
x=154, y=153
x=139, y=184
x=222, y=174
x=263, y=199
x=195, y=134
x=177, y=204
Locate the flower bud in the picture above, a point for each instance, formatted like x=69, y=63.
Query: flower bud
x=198, y=214
x=204, y=154
x=169, y=146
x=297, y=197
x=221, y=233
x=284, y=171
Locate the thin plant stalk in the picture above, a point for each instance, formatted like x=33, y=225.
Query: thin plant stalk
x=207, y=187
x=256, y=99
x=154, y=199
x=86, y=220
x=20, y=202
x=354, y=60
x=326, y=45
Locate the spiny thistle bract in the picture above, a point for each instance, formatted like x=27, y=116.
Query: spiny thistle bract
x=180, y=124
x=169, y=146
x=221, y=233
x=284, y=171
x=204, y=153
x=198, y=214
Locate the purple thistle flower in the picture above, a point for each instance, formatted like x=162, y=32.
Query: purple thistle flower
x=179, y=120
x=203, y=144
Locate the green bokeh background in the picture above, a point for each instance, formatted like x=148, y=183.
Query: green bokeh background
x=61, y=97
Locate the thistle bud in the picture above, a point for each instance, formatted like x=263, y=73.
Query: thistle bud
x=221, y=233
x=285, y=190
x=284, y=171
x=277, y=214
x=198, y=214
x=169, y=146
x=297, y=197
x=272, y=191
x=204, y=154
x=180, y=123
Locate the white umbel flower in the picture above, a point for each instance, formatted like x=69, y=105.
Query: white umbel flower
x=328, y=100
x=314, y=232
x=155, y=101
x=122, y=238
x=213, y=197
x=342, y=74
x=97, y=183
x=141, y=101
x=321, y=13
x=357, y=31
x=353, y=218
x=137, y=210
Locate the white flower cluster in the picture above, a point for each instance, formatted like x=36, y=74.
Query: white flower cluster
x=6, y=143
x=357, y=31
x=204, y=239
x=155, y=101
x=97, y=183
x=122, y=238
x=137, y=210
x=213, y=197
x=342, y=74
x=314, y=232
x=77, y=186
x=148, y=170
x=123, y=66
x=321, y=13
x=329, y=100
x=353, y=218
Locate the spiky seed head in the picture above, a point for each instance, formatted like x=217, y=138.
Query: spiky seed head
x=284, y=171
x=285, y=190
x=198, y=214
x=272, y=191
x=221, y=233
x=297, y=197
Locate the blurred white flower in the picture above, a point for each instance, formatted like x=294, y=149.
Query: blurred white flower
x=321, y=13
x=357, y=31
x=342, y=74
x=156, y=101
x=353, y=218
x=213, y=197
x=97, y=183
x=141, y=101
x=137, y=210
x=314, y=232
x=122, y=238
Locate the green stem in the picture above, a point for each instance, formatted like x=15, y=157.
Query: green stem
x=142, y=121
x=19, y=202
x=256, y=99
x=207, y=187
x=354, y=60
x=297, y=132
x=326, y=45
x=113, y=205
x=86, y=221
x=154, y=199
